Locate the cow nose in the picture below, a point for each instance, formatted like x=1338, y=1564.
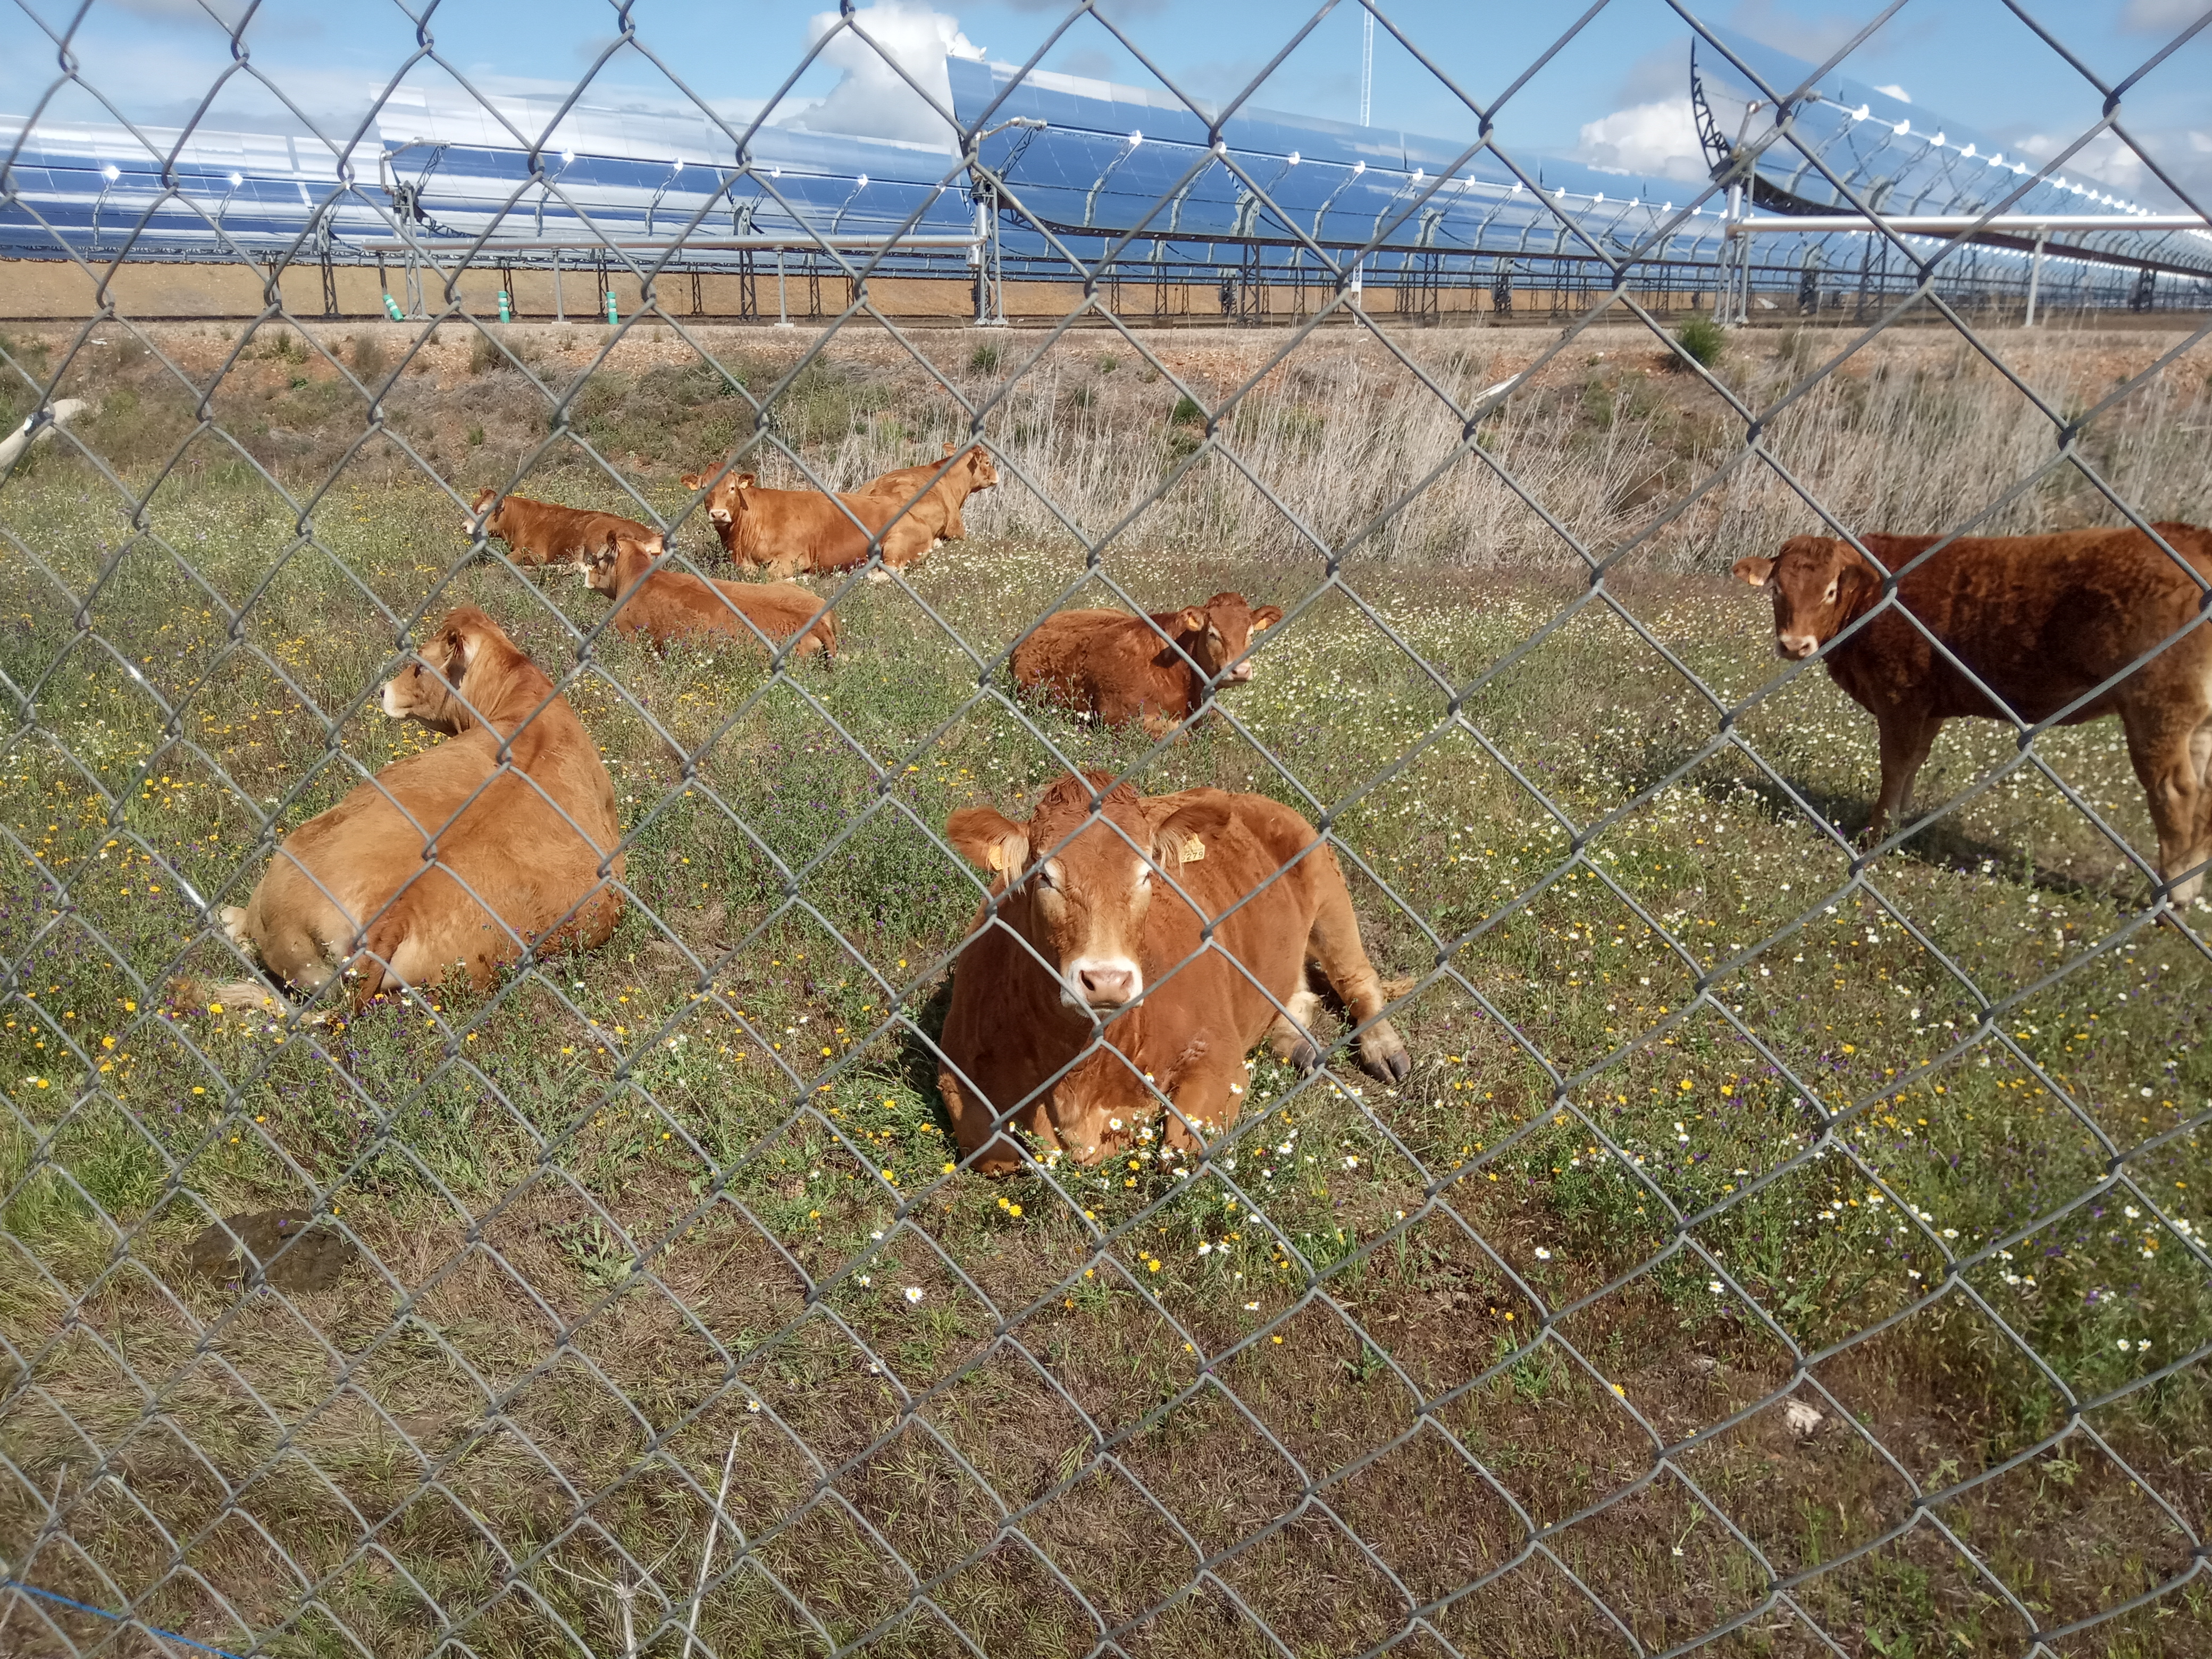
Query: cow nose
x=1106, y=985
x=1240, y=673
x=1796, y=646
x=719, y=515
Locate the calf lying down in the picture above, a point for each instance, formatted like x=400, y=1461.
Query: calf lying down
x=1156, y=670
x=661, y=605
x=2041, y=621
x=1079, y=931
x=545, y=532
x=526, y=850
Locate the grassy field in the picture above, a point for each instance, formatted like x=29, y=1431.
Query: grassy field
x=1387, y=1360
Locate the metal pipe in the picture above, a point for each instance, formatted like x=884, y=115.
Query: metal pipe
x=2034, y=277
x=1928, y=224
x=721, y=243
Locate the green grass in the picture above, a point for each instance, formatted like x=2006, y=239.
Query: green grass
x=704, y=1165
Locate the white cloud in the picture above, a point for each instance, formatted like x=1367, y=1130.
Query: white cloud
x=1658, y=138
x=2103, y=158
x=1892, y=90
x=871, y=100
x=2148, y=17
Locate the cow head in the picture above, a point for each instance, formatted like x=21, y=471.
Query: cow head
x=1219, y=632
x=725, y=499
x=481, y=510
x=982, y=474
x=1082, y=903
x=428, y=690
x=1820, y=585
x=602, y=570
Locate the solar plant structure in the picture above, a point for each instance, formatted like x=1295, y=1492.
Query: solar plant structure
x=1073, y=169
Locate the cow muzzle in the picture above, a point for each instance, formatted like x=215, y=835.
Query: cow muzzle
x=1102, y=981
x=1796, y=647
x=718, y=514
x=390, y=702
x=1240, y=674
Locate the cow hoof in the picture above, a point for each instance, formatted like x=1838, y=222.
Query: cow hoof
x=880, y=575
x=233, y=927
x=1383, y=1055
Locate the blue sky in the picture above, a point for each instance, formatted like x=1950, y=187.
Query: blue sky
x=1613, y=93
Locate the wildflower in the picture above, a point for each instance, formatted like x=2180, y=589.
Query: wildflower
x=914, y=1292
x=1542, y=1254
x=1714, y=1285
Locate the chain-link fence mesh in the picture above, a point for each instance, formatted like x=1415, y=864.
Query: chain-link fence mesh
x=1780, y=1243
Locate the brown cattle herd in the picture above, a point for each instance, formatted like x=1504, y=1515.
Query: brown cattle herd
x=1186, y=929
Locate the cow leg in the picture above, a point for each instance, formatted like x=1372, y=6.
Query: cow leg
x=971, y=1117
x=1906, y=738
x=1288, y=1038
x=1333, y=946
x=2163, y=743
x=2200, y=750
x=1205, y=1102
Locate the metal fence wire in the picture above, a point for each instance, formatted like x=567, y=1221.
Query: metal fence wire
x=1779, y=1245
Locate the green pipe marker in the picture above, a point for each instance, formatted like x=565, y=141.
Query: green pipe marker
x=392, y=305
x=506, y=314
x=613, y=316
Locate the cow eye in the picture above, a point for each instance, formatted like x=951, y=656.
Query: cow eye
x=1831, y=597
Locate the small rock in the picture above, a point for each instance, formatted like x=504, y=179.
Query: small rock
x=1801, y=1418
x=1701, y=1364
x=230, y=1250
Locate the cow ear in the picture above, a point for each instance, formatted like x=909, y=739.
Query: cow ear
x=1266, y=618
x=454, y=646
x=1754, y=571
x=990, y=839
x=745, y=480
x=1192, y=620
x=1859, y=579
x=1182, y=825
x=693, y=480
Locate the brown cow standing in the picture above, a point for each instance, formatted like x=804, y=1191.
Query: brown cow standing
x=529, y=853
x=941, y=507
x=545, y=532
x=2040, y=620
x=787, y=532
x=1120, y=668
x=667, y=604
x=1107, y=930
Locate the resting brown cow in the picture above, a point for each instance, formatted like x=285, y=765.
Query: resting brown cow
x=669, y=604
x=1118, y=667
x=2040, y=620
x=525, y=853
x=1109, y=932
x=941, y=507
x=545, y=532
x=787, y=532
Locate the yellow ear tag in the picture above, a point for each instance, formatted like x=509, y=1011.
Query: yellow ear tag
x=1193, y=850
x=997, y=859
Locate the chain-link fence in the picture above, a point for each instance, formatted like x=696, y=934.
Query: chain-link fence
x=528, y=1177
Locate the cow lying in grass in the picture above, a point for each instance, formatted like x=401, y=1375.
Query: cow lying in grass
x=667, y=604
x=941, y=499
x=526, y=848
x=1086, y=930
x=788, y=532
x=2040, y=621
x=545, y=532
x=1121, y=668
